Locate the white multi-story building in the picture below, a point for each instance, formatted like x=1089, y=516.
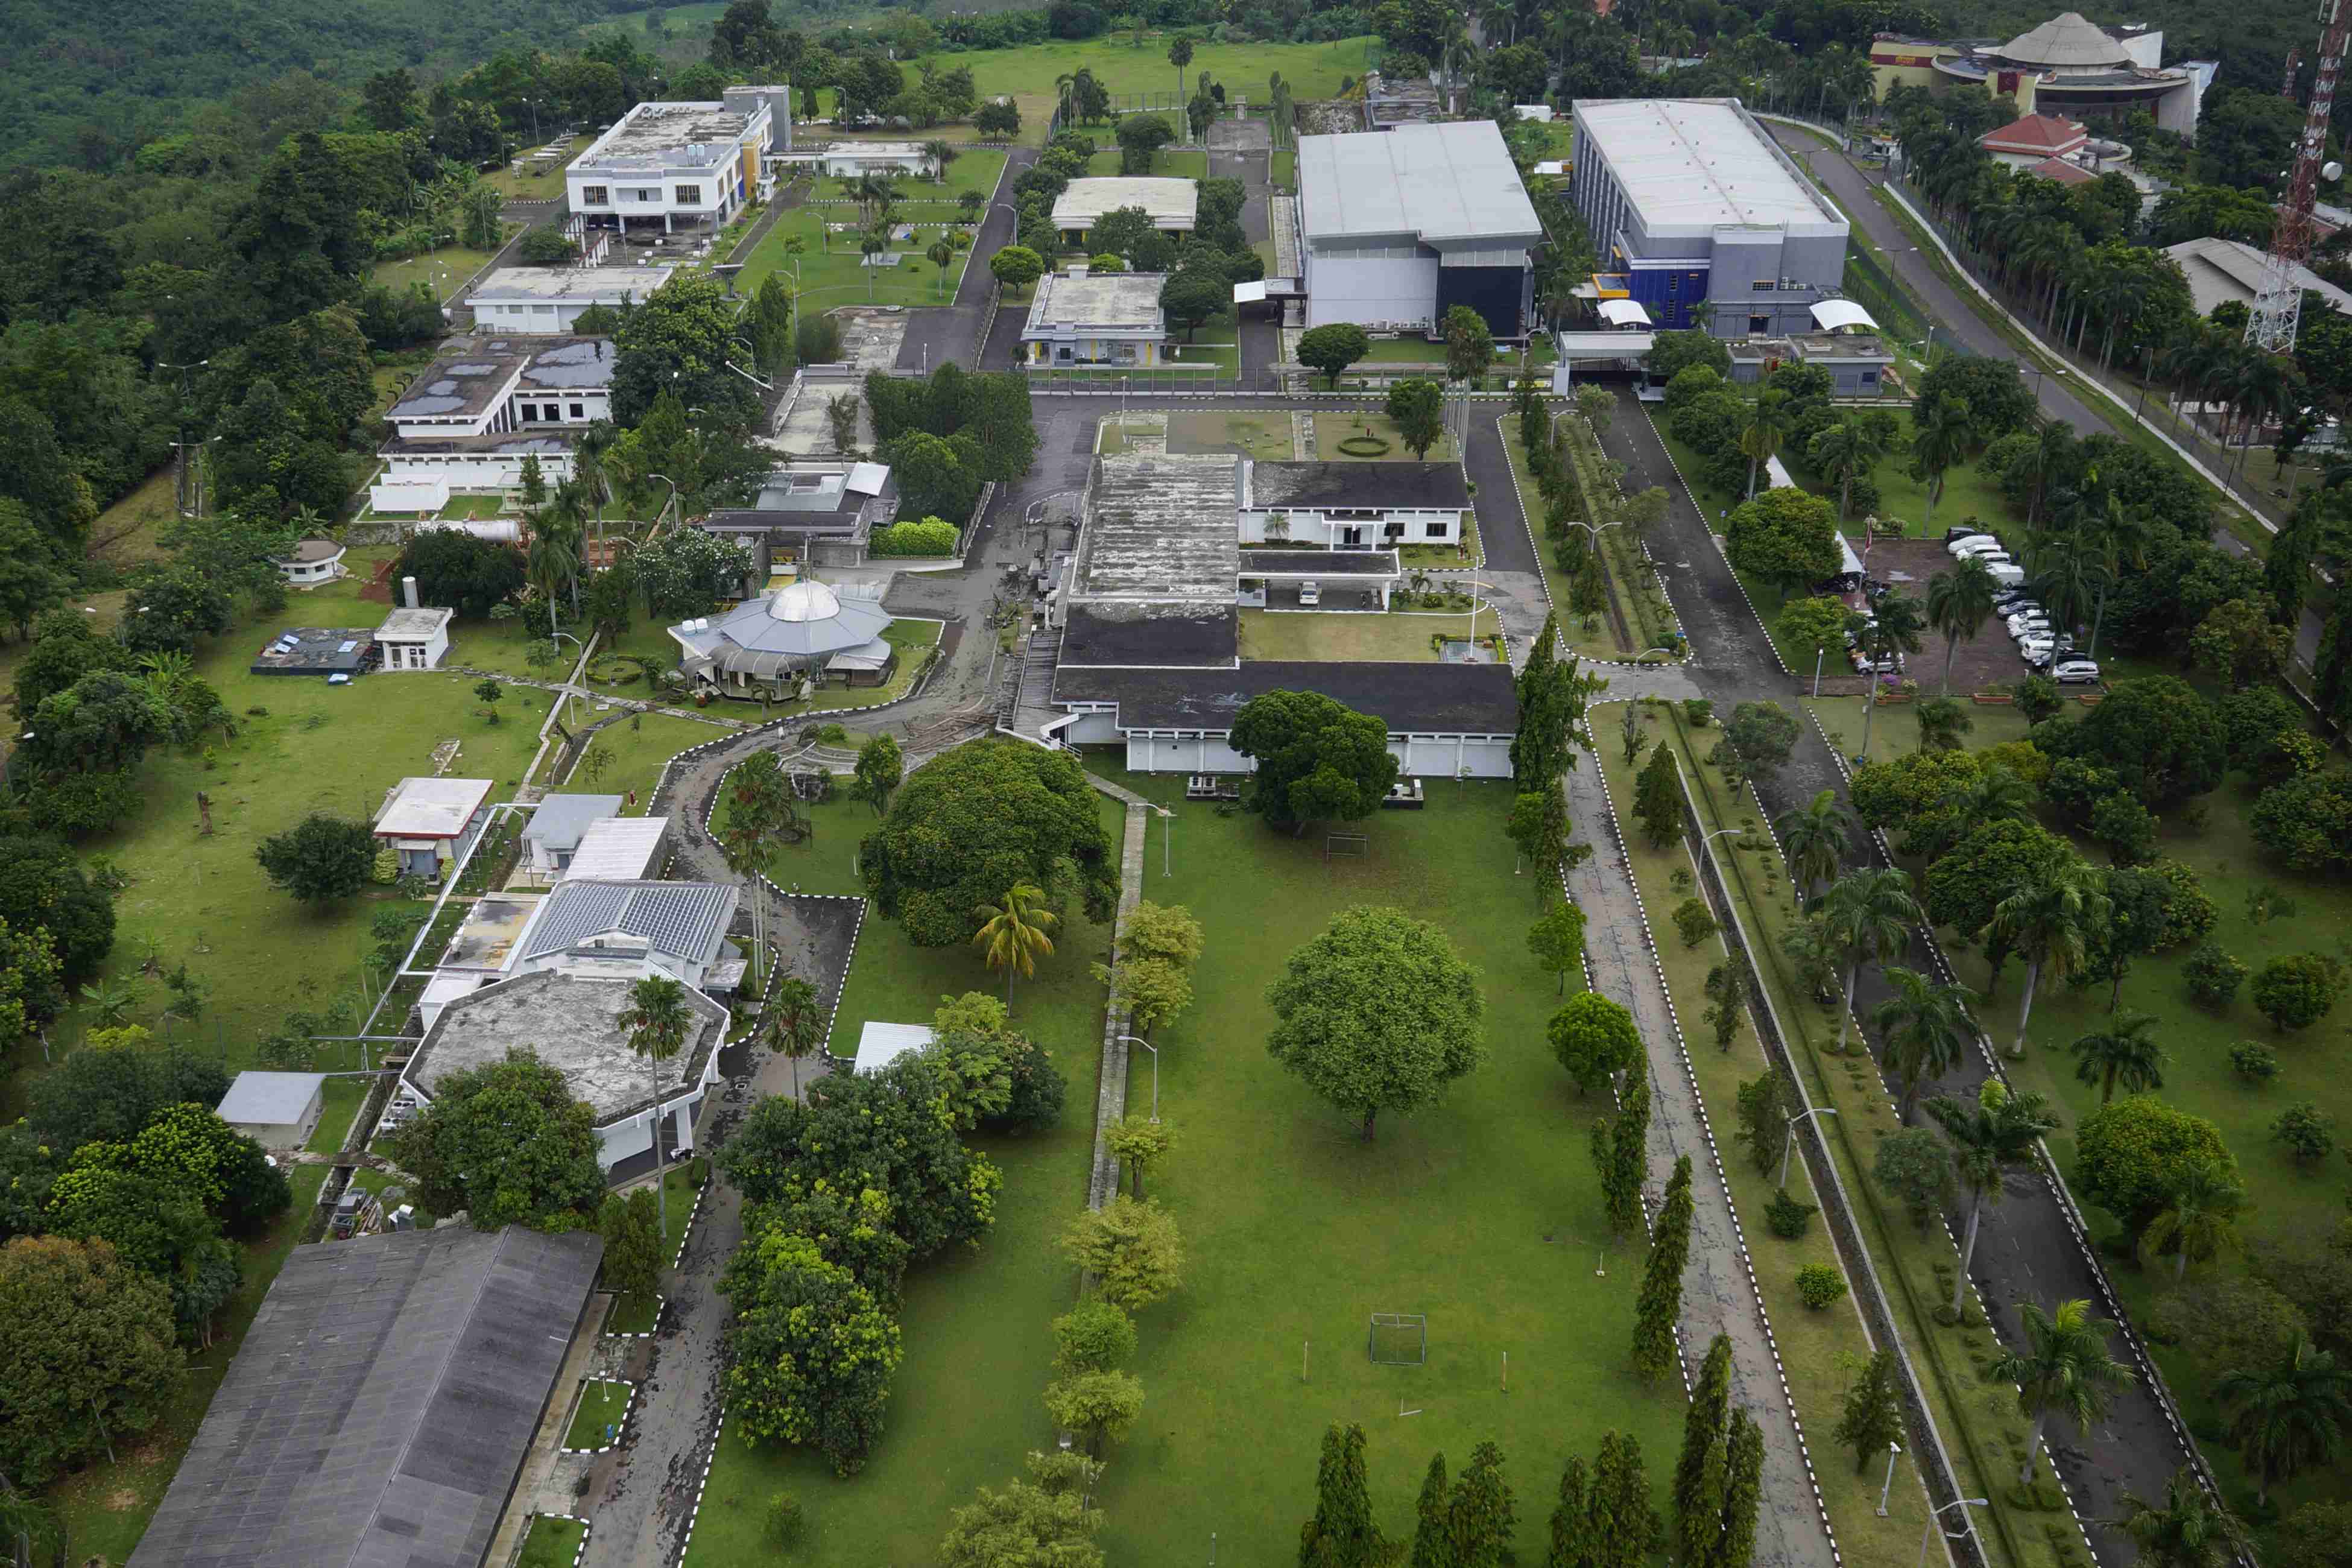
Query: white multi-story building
x=548, y=299
x=470, y=421
x=680, y=167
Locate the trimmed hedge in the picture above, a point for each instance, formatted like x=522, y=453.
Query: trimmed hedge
x=930, y=537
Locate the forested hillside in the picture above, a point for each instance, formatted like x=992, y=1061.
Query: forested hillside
x=88, y=80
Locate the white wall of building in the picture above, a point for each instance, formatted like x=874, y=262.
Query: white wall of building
x=1436, y=526
x=535, y=316
x=623, y=1139
x=1374, y=292
x=473, y=470
x=1420, y=756
x=585, y=407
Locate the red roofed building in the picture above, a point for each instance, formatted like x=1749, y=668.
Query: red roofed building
x=2021, y=143
x=2062, y=172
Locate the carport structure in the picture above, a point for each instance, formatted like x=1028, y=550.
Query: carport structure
x=1373, y=573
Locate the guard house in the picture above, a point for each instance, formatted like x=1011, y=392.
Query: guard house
x=414, y=638
x=310, y=563
x=433, y=822
x=1354, y=506
x=1082, y=318
x=276, y=1110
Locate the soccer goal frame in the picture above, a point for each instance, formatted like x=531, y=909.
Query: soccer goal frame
x=1347, y=845
x=1397, y=1339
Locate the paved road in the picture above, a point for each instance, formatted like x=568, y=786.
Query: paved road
x=1244, y=150
x=937, y=333
x=2025, y=1250
x=1718, y=1297
x=1955, y=317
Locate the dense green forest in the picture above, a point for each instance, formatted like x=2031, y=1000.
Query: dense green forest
x=90, y=80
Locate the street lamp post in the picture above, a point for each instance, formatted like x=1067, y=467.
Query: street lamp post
x=666, y=505
x=1894, y=1451
x=1966, y=1528
x=1788, y=1144
x=1818, y=653
x=1146, y=1045
x=1167, y=841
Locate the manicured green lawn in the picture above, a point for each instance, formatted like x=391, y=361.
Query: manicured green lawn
x=1166, y=165
x=1268, y=635
x=1903, y=500
x=1331, y=429
x=965, y=1407
x=1403, y=351
x=444, y=269
x=544, y=185
x=553, y=1542
x=1284, y=172
x=603, y=1403
x=1895, y=730
x=2288, y=1204
x=1481, y=1213
x=632, y=753
x=831, y=267
x=823, y=862
x=972, y=169
x=1028, y=73
x=1265, y=436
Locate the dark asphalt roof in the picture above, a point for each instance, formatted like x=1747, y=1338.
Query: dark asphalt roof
x=1319, y=563
x=1150, y=635
x=379, y=1409
x=1390, y=487
x=1411, y=699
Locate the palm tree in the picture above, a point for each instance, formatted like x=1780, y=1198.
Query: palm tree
x=1926, y=1028
x=1940, y=443
x=793, y=1026
x=551, y=561
x=2188, y=1529
x=1870, y=914
x=2050, y=455
x=1989, y=1134
x=943, y=256
x=744, y=845
x=1769, y=423
x=2123, y=543
x=2199, y=1220
x=1944, y=724
x=109, y=1003
x=1959, y=602
x=1995, y=794
x=2122, y=1053
x=2051, y=925
x=1846, y=450
x=657, y=1017
x=872, y=242
x=2288, y=1414
x=2068, y=568
x=1014, y=935
x=2065, y=1369
x=1813, y=839
x=941, y=154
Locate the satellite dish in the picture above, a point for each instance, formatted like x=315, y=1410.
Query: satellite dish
x=2331, y=172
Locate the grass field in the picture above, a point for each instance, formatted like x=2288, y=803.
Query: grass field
x=2289, y=1205
x=965, y=1407
x=1331, y=429
x=545, y=184
x=603, y=1403
x=553, y=1542
x=1249, y=434
x=1313, y=71
x=825, y=861
x=831, y=269
x=445, y=269
x=1967, y=493
x=1268, y=635
x=1176, y=163
x=1480, y=1212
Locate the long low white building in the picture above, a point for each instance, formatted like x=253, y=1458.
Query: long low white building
x=1354, y=506
x=470, y=420
x=536, y=300
x=1173, y=205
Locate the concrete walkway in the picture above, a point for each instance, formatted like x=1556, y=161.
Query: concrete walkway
x=1717, y=1296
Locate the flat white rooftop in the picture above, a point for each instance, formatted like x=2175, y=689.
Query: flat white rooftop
x=1445, y=184
x=1693, y=163
x=1099, y=301
x=577, y=285
x=1170, y=204
x=881, y=1044
x=655, y=135
x=430, y=808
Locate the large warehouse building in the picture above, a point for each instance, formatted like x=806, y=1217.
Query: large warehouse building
x=1398, y=227
x=1700, y=219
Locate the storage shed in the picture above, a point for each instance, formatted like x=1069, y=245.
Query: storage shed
x=276, y=1110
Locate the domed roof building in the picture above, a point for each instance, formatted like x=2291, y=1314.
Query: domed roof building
x=2069, y=67
x=2066, y=42
x=805, y=629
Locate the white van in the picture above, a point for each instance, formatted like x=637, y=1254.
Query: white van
x=2006, y=575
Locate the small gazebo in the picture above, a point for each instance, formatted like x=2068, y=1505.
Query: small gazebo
x=788, y=636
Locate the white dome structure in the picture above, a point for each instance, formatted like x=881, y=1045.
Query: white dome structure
x=804, y=601
x=796, y=630
x=2066, y=42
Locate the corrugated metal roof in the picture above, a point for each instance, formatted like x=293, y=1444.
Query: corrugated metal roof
x=270, y=1098
x=1442, y=183
x=1688, y=162
x=684, y=920
x=380, y=1405
x=619, y=848
x=560, y=820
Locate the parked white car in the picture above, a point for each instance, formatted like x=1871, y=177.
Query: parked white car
x=2076, y=672
x=2028, y=626
x=1310, y=593
x=1975, y=544
x=2037, y=651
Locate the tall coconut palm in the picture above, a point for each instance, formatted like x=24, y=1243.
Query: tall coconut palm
x=744, y=845
x=1940, y=443
x=2069, y=571
x=658, y=1018
x=943, y=256
x=2199, y=1217
x=1769, y=421
x=2123, y=539
x=1990, y=1134
x=2064, y=1371
x=551, y=561
x=1959, y=602
x=1813, y=839
x=2050, y=455
x=1847, y=450
x=2184, y=1529
x=1926, y=1027
x=1870, y=914
x=793, y=1024
x=2125, y=1053
x=2288, y=1414
x=1013, y=935
x=1995, y=794
x=2053, y=926
x=941, y=154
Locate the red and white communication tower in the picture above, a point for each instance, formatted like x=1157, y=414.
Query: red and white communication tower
x=2279, y=305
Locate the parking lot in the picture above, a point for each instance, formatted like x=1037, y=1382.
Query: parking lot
x=1980, y=663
